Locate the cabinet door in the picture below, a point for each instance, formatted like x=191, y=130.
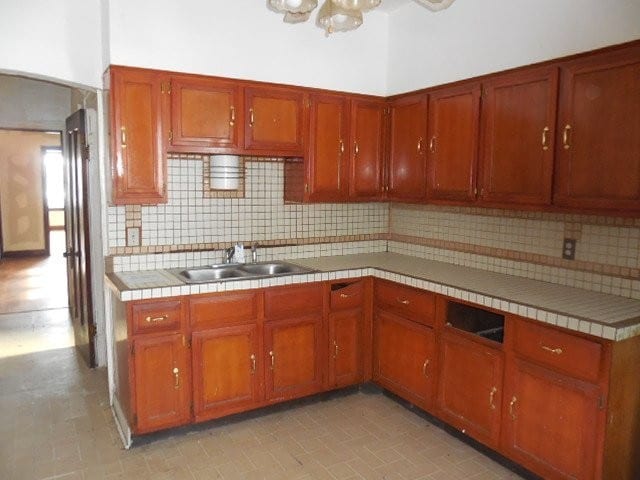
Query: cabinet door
x=225, y=370
x=274, y=118
x=598, y=148
x=470, y=390
x=162, y=382
x=205, y=113
x=367, y=150
x=518, y=131
x=293, y=357
x=345, y=348
x=404, y=355
x=406, y=167
x=327, y=157
x=551, y=422
x=454, y=115
x=139, y=165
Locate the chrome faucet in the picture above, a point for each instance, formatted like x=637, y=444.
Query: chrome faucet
x=228, y=254
x=254, y=252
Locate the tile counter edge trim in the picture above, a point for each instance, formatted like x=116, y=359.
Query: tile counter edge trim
x=574, y=323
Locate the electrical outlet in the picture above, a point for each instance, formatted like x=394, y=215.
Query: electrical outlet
x=569, y=249
x=133, y=236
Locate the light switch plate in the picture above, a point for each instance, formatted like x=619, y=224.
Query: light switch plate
x=133, y=236
x=569, y=249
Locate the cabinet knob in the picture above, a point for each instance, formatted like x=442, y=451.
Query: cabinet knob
x=403, y=301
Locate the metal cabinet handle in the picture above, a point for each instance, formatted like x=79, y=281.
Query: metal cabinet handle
x=341, y=147
x=176, y=375
x=344, y=295
x=232, y=112
x=420, y=145
x=123, y=137
x=555, y=351
x=273, y=359
x=356, y=148
x=492, y=394
x=512, y=410
x=253, y=363
x=545, y=140
x=336, y=348
x=403, y=301
x=566, y=137
x=251, y=117
x=425, y=365
x=432, y=144
x=150, y=319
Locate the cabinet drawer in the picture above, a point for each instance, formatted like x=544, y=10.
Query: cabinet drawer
x=157, y=316
x=346, y=295
x=417, y=305
x=223, y=309
x=561, y=351
x=292, y=300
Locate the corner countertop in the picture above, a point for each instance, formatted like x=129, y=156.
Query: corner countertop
x=598, y=314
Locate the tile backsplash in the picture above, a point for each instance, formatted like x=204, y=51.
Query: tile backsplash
x=193, y=228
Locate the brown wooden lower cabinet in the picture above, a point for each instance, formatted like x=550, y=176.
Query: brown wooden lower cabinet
x=225, y=370
x=470, y=386
x=551, y=421
x=345, y=348
x=162, y=382
x=293, y=357
x=404, y=355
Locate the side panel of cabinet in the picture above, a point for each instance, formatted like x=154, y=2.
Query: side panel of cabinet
x=518, y=131
x=327, y=157
x=598, y=152
x=162, y=382
x=550, y=422
x=367, y=150
x=454, y=115
x=404, y=358
x=225, y=370
x=345, y=348
x=470, y=390
x=274, y=118
x=139, y=165
x=205, y=113
x=406, y=166
x=293, y=357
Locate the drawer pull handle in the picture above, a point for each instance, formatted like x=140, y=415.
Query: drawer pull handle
x=432, y=144
x=512, y=405
x=425, y=365
x=555, y=351
x=273, y=359
x=545, y=140
x=253, y=364
x=123, y=137
x=566, y=141
x=336, y=348
x=251, y=118
x=176, y=375
x=232, y=113
x=403, y=301
x=150, y=319
x=344, y=295
x=492, y=394
x=419, y=147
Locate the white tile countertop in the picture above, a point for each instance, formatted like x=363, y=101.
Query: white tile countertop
x=598, y=314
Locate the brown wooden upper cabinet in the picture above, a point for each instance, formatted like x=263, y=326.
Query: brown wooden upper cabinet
x=454, y=115
x=517, y=142
x=205, y=113
x=406, y=167
x=598, y=149
x=274, y=120
x=367, y=149
x=139, y=166
x=327, y=152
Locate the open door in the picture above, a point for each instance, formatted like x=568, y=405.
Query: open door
x=77, y=237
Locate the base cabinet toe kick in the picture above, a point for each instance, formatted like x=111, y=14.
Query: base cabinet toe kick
x=562, y=404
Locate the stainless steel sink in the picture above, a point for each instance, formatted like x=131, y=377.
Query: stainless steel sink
x=237, y=271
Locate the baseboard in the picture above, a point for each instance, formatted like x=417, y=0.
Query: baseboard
x=121, y=422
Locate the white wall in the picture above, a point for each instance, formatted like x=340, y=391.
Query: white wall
x=57, y=40
x=474, y=37
x=243, y=39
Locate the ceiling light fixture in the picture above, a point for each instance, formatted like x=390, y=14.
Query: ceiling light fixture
x=337, y=15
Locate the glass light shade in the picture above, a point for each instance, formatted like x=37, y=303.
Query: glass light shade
x=292, y=6
x=435, y=5
x=361, y=5
x=290, y=17
x=333, y=18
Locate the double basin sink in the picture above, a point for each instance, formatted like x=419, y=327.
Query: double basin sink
x=237, y=271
